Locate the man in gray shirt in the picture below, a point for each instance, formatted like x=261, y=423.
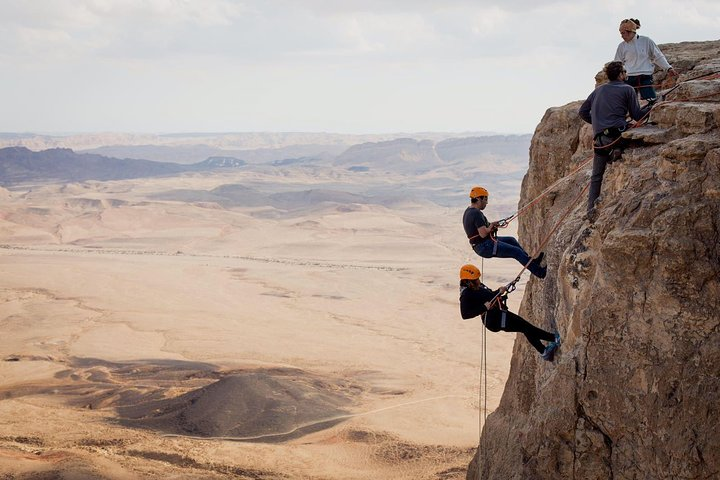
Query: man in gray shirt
x=607, y=109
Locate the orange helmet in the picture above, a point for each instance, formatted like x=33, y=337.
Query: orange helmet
x=469, y=272
x=478, y=192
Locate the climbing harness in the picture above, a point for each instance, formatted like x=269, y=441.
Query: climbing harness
x=503, y=222
x=510, y=287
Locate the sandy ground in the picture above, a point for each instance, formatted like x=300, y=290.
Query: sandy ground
x=111, y=300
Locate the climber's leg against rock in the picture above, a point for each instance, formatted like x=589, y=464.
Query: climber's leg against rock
x=508, y=247
x=509, y=322
x=598, y=170
x=615, y=144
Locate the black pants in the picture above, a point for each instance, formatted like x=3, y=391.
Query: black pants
x=600, y=160
x=515, y=323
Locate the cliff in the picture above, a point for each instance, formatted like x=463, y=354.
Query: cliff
x=633, y=392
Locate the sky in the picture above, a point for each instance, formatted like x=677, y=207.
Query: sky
x=344, y=66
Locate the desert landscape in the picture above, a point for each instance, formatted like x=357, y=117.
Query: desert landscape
x=280, y=319
x=230, y=241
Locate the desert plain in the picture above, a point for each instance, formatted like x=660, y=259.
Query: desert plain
x=148, y=331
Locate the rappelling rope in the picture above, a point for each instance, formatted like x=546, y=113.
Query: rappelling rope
x=512, y=285
x=712, y=75
x=482, y=390
x=678, y=82
x=700, y=97
x=504, y=222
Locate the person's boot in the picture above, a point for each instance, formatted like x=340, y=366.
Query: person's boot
x=591, y=216
x=538, y=260
x=541, y=272
x=549, y=353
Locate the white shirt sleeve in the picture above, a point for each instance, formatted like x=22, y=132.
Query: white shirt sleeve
x=619, y=53
x=657, y=56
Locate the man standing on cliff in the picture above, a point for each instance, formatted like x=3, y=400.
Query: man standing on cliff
x=607, y=109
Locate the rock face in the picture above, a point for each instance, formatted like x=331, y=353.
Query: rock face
x=634, y=390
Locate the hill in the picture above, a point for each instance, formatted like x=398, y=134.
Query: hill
x=252, y=404
x=20, y=165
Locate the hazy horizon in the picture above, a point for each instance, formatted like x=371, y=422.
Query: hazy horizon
x=278, y=132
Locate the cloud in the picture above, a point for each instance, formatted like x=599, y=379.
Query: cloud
x=366, y=65
x=254, y=31
x=333, y=7
x=72, y=14
x=298, y=31
x=137, y=28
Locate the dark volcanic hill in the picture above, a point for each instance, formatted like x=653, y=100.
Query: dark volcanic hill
x=262, y=406
x=21, y=165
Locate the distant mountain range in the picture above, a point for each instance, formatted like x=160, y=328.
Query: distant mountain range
x=20, y=165
x=463, y=159
x=189, y=154
x=409, y=155
x=114, y=144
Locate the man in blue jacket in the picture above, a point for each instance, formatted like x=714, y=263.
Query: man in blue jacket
x=607, y=109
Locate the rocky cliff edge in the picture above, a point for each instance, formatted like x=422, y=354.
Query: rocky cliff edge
x=634, y=392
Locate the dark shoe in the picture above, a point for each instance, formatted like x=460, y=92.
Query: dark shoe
x=549, y=353
x=541, y=272
x=591, y=216
x=538, y=260
x=615, y=155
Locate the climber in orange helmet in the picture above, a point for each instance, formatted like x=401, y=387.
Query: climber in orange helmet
x=477, y=299
x=481, y=235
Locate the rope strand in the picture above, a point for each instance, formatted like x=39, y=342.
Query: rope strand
x=496, y=298
x=482, y=402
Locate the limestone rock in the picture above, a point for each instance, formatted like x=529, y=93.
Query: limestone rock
x=633, y=392
x=688, y=117
x=651, y=135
